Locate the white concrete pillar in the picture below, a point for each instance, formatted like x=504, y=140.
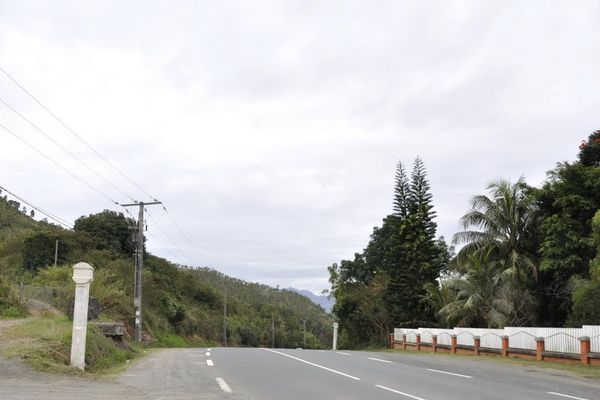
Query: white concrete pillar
x=335, y=329
x=83, y=274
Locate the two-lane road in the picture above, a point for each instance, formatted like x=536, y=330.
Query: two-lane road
x=307, y=374
x=267, y=374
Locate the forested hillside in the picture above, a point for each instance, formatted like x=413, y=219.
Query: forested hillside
x=181, y=304
x=526, y=256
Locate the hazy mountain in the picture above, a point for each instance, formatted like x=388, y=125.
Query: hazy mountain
x=321, y=300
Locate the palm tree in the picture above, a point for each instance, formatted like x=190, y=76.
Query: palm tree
x=479, y=294
x=506, y=223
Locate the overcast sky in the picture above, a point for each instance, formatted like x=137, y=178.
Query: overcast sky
x=271, y=130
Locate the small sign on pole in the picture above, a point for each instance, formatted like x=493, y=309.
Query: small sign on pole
x=83, y=274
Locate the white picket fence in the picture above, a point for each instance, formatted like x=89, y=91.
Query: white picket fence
x=562, y=340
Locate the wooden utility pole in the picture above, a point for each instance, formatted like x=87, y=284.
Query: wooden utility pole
x=225, y=320
x=139, y=265
x=272, y=331
x=56, y=253
x=304, y=330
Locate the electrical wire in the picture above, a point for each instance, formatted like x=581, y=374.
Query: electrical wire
x=54, y=217
x=162, y=245
x=72, y=131
x=181, y=230
x=47, y=136
x=169, y=238
x=58, y=165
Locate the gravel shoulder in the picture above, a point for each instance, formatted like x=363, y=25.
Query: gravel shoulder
x=178, y=374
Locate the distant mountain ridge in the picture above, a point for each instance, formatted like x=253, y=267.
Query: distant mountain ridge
x=321, y=300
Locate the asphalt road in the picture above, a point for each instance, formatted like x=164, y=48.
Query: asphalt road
x=305, y=374
x=265, y=374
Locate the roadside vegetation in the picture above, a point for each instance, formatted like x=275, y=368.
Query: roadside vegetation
x=527, y=257
x=45, y=344
x=183, y=306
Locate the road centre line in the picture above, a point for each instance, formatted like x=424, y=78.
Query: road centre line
x=313, y=364
x=448, y=373
x=342, y=353
x=209, y=363
x=380, y=360
x=223, y=385
x=566, y=395
x=399, y=392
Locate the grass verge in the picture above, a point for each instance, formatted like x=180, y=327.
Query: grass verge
x=171, y=340
x=585, y=371
x=45, y=344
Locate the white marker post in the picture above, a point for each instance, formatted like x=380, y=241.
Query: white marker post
x=335, y=328
x=83, y=274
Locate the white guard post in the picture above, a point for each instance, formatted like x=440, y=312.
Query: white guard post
x=83, y=274
x=335, y=328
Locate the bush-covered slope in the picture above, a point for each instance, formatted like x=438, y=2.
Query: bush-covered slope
x=181, y=305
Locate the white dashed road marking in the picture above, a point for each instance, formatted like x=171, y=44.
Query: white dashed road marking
x=209, y=363
x=380, y=360
x=342, y=353
x=566, y=395
x=399, y=392
x=224, y=386
x=448, y=373
x=313, y=364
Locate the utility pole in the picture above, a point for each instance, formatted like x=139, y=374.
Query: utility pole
x=225, y=320
x=272, y=331
x=304, y=330
x=139, y=265
x=56, y=253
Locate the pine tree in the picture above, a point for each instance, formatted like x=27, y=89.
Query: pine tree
x=421, y=198
x=426, y=250
x=413, y=257
x=401, y=193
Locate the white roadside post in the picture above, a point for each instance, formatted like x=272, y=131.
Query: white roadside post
x=83, y=274
x=335, y=328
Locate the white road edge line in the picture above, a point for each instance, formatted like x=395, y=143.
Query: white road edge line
x=566, y=395
x=449, y=373
x=342, y=353
x=313, y=364
x=223, y=385
x=380, y=360
x=399, y=392
x=209, y=363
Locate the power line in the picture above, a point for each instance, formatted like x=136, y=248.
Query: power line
x=173, y=255
x=58, y=165
x=64, y=148
x=180, y=230
x=72, y=131
x=169, y=238
x=59, y=220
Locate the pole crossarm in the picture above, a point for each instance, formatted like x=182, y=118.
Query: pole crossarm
x=141, y=203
